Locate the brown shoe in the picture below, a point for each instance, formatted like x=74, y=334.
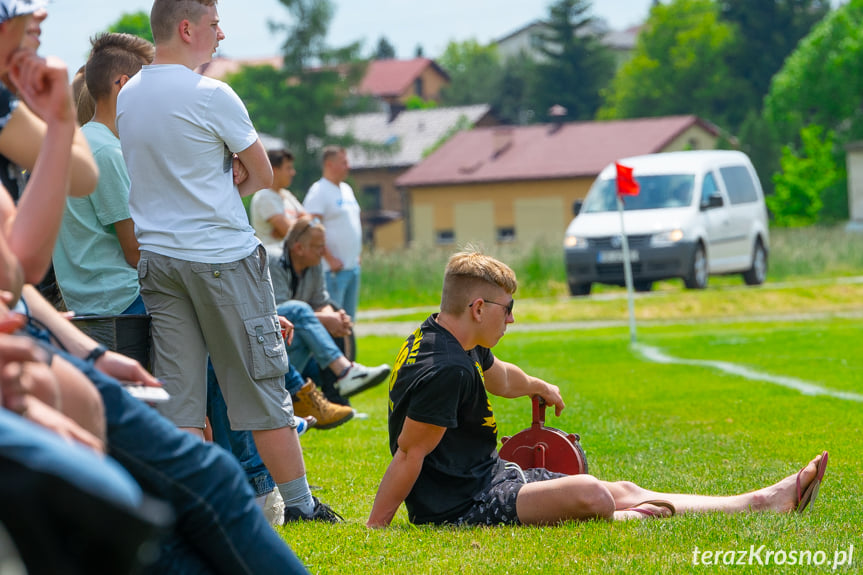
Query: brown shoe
x=310, y=401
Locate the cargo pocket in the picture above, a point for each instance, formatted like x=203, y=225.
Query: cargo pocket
x=269, y=358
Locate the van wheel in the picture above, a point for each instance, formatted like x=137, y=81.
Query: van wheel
x=697, y=278
x=579, y=289
x=643, y=286
x=756, y=275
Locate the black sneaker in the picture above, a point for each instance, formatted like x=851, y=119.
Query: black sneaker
x=321, y=512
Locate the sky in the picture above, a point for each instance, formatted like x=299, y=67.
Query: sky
x=405, y=23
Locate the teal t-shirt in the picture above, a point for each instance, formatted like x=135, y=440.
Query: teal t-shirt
x=91, y=270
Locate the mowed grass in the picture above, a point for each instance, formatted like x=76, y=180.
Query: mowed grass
x=666, y=427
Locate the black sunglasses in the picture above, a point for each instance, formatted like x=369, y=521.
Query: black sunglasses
x=508, y=306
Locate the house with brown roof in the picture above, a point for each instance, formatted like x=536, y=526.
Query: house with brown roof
x=394, y=81
x=517, y=183
x=397, y=144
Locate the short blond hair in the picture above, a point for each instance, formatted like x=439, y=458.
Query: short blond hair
x=166, y=14
x=299, y=230
x=467, y=274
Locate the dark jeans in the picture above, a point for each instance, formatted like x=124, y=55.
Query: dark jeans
x=242, y=443
x=218, y=529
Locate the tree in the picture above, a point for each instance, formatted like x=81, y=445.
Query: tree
x=136, y=23
x=805, y=179
x=385, y=50
x=679, y=66
x=292, y=102
x=766, y=32
x=475, y=73
x=576, y=66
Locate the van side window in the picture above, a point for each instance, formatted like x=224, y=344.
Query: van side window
x=738, y=184
x=708, y=188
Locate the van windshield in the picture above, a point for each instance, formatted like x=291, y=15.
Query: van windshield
x=655, y=192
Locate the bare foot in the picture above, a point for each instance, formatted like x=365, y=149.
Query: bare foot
x=646, y=510
x=781, y=497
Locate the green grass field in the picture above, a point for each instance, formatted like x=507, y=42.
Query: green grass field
x=666, y=427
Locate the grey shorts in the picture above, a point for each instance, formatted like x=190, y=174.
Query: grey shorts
x=227, y=311
x=496, y=505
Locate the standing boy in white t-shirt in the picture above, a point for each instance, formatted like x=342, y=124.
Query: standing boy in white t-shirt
x=204, y=276
x=274, y=209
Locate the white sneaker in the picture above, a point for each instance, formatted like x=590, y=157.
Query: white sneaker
x=273, y=507
x=360, y=378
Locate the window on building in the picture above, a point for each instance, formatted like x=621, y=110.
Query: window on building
x=370, y=198
x=505, y=235
x=418, y=87
x=445, y=237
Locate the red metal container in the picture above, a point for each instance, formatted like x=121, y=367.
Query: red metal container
x=547, y=447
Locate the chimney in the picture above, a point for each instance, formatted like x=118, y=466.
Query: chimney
x=501, y=141
x=557, y=114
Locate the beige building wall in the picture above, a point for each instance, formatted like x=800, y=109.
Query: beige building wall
x=534, y=210
x=390, y=236
x=854, y=167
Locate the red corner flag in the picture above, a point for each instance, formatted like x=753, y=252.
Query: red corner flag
x=626, y=184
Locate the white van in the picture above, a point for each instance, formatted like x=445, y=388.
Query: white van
x=697, y=213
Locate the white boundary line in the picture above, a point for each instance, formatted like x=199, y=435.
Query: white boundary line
x=806, y=388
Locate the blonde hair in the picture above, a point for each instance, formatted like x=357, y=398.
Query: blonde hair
x=467, y=274
x=299, y=228
x=166, y=14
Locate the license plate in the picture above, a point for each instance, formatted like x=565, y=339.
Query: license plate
x=615, y=256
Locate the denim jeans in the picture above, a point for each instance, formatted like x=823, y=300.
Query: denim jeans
x=44, y=451
x=311, y=339
x=242, y=443
x=219, y=529
x=344, y=288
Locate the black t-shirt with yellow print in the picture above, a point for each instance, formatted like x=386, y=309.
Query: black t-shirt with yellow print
x=436, y=381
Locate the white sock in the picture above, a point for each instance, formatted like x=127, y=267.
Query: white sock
x=297, y=494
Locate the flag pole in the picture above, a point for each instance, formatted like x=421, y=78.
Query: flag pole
x=627, y=272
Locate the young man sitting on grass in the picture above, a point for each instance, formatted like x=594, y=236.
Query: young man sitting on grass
x=443, y=434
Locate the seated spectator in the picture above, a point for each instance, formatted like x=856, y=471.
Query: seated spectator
x=218, y=528
x=443, y=436
x=274, y=209
x=298, y=283
x=96, y=254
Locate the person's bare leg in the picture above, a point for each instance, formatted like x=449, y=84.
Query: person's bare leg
x=281, y=452
x=78, y=398
x=573, y=497
x=339, y=365
x=780, y=497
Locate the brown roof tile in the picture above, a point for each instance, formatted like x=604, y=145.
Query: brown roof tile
x=545, y=151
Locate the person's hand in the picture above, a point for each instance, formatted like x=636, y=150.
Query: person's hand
x=287, y=330
x=336, y=265
x=43, y=84
x=51, y=419
x=333, y=323
x=551, y=395
x=241, y=174
x=124, y=369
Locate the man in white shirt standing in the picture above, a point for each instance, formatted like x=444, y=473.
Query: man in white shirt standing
x=333, y=201
x=274, y=209
x=204, y=276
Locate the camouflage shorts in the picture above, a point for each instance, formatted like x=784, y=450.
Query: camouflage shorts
x=496, y=505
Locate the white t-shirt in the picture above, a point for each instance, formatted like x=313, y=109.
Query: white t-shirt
x=340, y=213
x=266, y=204
x=178, y=131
